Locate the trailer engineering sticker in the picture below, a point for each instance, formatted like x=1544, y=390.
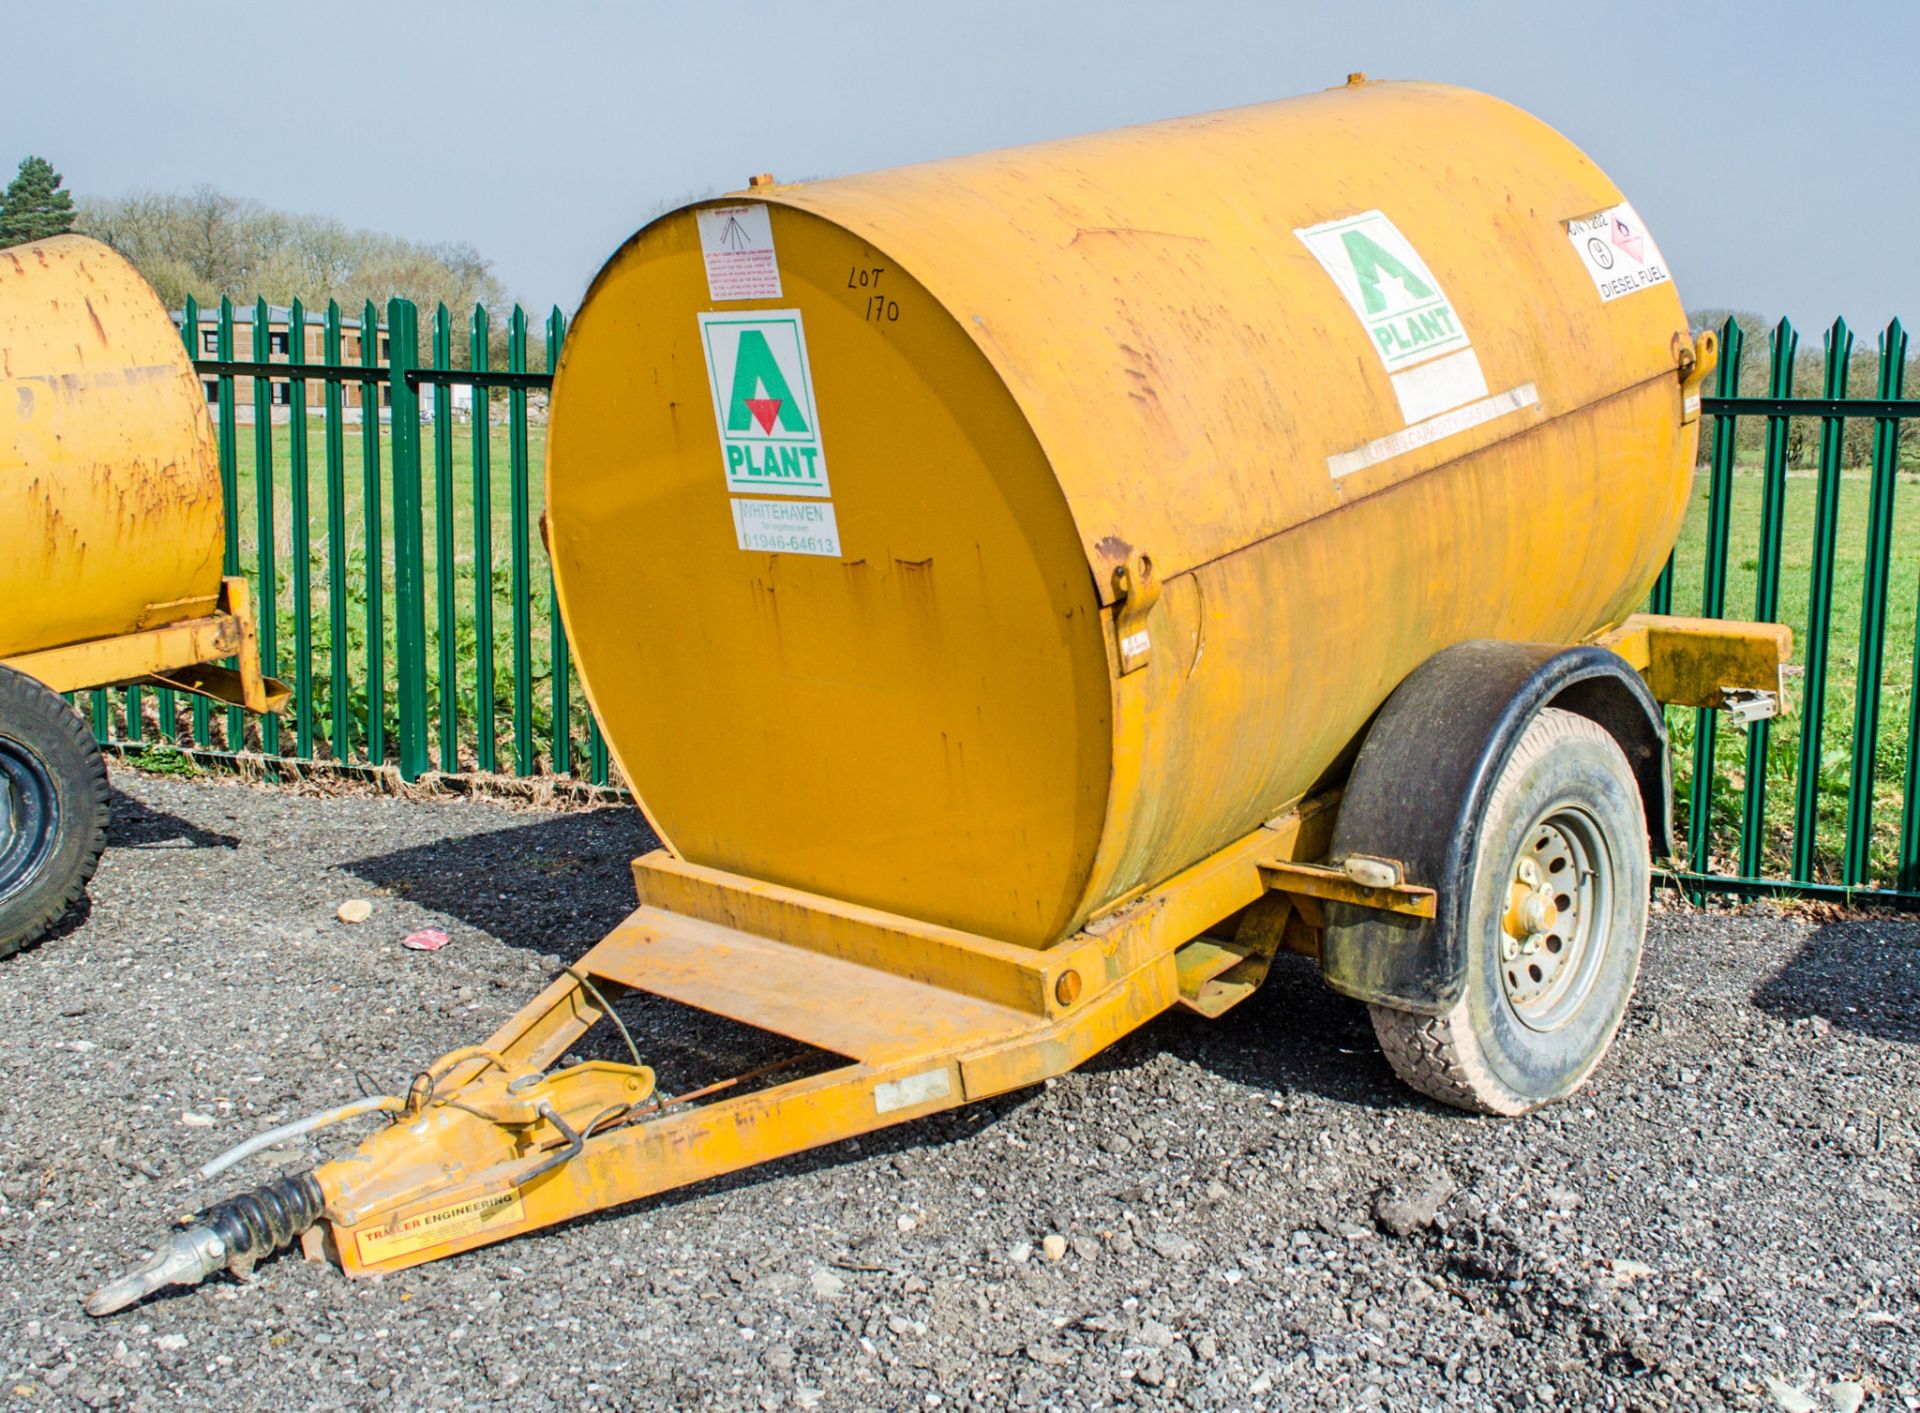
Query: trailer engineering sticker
x=1616, y=252
x=417, y=1233
x=737, y=244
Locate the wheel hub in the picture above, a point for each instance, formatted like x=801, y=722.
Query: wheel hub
x=1553, y=932
x=28, y=816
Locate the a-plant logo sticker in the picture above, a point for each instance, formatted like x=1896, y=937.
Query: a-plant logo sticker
x=763, y=403
x=1405, y=312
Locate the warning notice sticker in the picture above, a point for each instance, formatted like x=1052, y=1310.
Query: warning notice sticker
x=1617, y=252
x=737, y=242
x=1405, y=312
x=417, y=1233
x=763, y=403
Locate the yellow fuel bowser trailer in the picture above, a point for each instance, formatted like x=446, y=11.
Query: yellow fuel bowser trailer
x=110, y=552
x=1027, y=591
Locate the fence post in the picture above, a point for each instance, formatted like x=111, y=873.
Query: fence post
x=165, y=704
x=1661, y=599
x=1826, y=511
x=190, y=326
x=447, y=624
x=1873, y=610
x=522, y=553
x=409, y=586
x=301, y=512
x=482, y=430
x=266, y=599
x=229, y=495
x=1766, y=607
x=1713, y=593
x=557, y=651
x=339, y=695
x=371, y=397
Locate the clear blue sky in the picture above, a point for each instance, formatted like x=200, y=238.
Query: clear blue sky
x=1768, y=146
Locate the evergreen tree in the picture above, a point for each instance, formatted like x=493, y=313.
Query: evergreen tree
x=35, y=205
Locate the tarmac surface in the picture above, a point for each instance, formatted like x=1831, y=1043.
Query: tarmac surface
x=1254, y=1213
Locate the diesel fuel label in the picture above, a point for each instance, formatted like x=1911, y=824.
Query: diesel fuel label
x=1388, y=286
x=763, y=403
x=1616, y=252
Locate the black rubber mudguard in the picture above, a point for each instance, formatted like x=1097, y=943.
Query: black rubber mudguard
x=1422, y=781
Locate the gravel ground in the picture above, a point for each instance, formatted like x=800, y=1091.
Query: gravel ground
x=1255, y=1215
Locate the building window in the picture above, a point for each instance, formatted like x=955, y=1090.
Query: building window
x=386, y=395
x=212, y=386
x=277, y=343
x=210, y=341
x=283, y=394
x=386, y=348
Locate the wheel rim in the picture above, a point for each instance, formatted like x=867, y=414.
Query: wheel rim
x=29, y=816
x=1556, y=928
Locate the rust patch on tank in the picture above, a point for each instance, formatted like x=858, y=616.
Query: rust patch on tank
x=98, y=327
x=1114, y=548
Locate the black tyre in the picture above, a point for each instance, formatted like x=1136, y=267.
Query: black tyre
x=1557, y=919
x=53, y=809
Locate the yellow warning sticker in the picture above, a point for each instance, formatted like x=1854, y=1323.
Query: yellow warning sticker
x=424, y=1229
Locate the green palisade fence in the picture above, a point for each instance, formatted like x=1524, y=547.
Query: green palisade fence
x=408, y=646
x=1826, y=528
x=413, y=647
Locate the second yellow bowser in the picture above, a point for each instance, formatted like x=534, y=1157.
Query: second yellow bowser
x=987, y=540
x=111, y=535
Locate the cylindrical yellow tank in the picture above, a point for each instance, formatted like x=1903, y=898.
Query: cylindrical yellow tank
x=988, y=540
x=110, y=514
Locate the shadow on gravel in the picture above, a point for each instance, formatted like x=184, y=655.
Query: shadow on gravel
x=133, y=825
x=558, y=884
x=561, y=883
x=1292, y=1035
x=1860, y=975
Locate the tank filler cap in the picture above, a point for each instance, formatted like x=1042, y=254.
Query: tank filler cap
x=1354, y=80
x=759, y=179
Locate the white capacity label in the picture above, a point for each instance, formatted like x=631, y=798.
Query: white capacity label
x=1617, y=252
x=737, y=242
x=787, y=527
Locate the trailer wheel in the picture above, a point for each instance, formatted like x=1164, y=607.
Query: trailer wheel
x=1557, y=917
x=53, y=809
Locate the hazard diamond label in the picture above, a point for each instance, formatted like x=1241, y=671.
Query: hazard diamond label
x=1616, y=252
x=763, y=403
